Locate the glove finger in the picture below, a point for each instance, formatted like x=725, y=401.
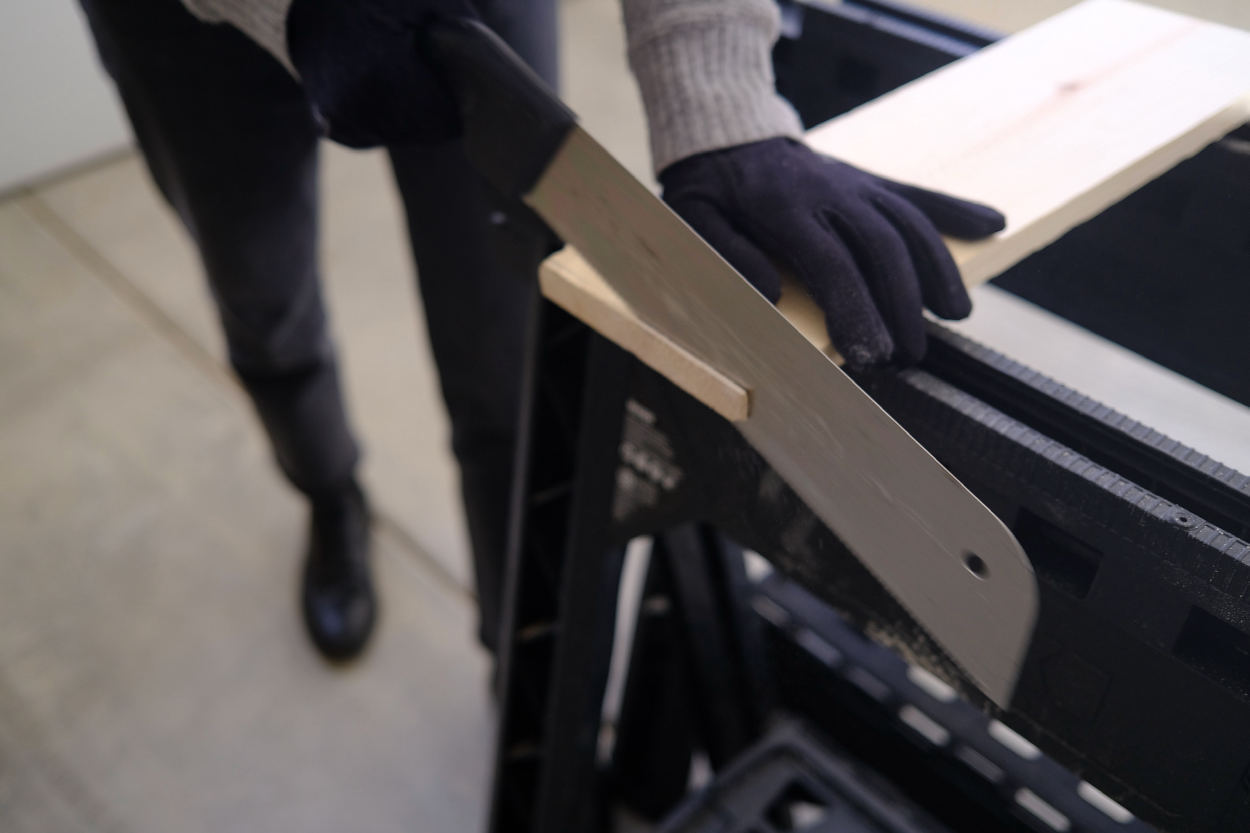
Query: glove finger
x=951, y=215
x=741, y=253
x=940, y=283
x=824, y=265
x=890, y=275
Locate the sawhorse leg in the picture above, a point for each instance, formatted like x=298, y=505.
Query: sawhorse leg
x=562, y=569
x=696, y=678
x=563, y=583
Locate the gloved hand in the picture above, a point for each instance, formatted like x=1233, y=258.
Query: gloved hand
x=361, y=64
x=867, y=249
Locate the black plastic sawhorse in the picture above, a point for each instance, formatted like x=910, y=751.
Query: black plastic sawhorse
x=1137, y=676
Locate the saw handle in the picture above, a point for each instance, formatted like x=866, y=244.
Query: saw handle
x=513, y=123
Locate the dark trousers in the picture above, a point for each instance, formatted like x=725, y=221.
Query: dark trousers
x=229, y=139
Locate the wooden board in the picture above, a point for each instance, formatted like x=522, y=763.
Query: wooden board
x=1050, y=126
x=1056, y=123
x=568, y=280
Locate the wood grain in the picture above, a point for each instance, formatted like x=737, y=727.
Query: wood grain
x=1056, y=123
x=569, y=281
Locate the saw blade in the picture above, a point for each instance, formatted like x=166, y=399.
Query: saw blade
x=939, y=551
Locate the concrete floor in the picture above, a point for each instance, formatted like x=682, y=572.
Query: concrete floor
x=153, y=674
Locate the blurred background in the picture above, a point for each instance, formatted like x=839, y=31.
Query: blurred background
x=153, y=671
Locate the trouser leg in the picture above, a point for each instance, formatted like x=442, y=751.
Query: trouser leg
x=229, y=140
x=477, y=257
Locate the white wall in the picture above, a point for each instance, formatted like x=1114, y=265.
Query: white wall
x=57, y=107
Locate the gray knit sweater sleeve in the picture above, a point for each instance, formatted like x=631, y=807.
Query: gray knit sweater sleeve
x=264, y=21
x=704, y=68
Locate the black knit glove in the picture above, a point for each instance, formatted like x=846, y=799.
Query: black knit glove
x=361, y=65
x=867, y=249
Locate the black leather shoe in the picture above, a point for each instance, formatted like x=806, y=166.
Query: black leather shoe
x=338, y=601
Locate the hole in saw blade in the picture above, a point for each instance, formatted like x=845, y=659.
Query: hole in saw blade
x=976, y=565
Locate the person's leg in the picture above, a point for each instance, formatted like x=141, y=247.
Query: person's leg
x=477, y=259
x=229, y=139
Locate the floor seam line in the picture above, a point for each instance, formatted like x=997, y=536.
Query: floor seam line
x=82, y=801
x=170, y=330
x=125, y=289
x=60, y=175
x=387, y=525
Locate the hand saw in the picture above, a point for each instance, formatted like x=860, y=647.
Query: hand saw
x=938, y=550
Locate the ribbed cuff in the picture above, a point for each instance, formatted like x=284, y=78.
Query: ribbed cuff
x=264, y=21
x=704, y=68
